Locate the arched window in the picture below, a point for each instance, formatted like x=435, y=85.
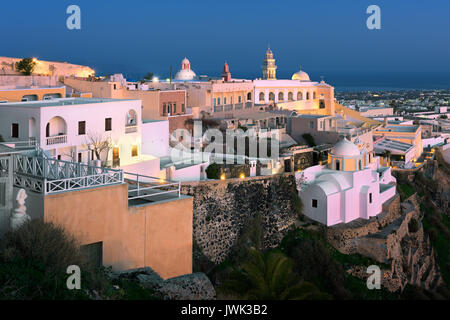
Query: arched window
x=307, y=96
x=271, y=96
x=280, y=96
x=337, y=165
x=290, y=96
x=249, y=96
x=299, y=96
x=261, y=96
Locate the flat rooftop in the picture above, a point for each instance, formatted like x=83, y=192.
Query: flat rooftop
x=58, y=102
x=392, y=145
x=399, y=128
x=312, y=116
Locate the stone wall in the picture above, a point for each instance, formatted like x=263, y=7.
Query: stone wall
x=223, y=207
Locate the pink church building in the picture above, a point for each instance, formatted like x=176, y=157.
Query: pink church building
x=351, y=185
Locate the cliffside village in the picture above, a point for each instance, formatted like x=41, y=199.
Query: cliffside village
x=106, y=158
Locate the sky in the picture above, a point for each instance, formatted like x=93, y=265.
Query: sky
x=324, y=37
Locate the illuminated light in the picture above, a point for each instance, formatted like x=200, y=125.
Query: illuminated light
x=168, y=80
x=155, y=79
x=222, y=176
x=34, y=59
x=242, y=176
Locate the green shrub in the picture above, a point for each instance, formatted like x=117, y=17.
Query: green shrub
x=34, y=260
x=213, y=170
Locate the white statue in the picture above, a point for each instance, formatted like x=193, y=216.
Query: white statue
x=19, y=215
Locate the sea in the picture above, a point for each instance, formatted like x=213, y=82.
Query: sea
x=359, y=81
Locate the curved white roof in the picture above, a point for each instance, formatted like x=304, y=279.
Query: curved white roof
x=345, y=148
x=185, y=74
x=300, y=75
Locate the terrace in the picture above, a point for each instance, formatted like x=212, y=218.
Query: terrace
x=39, y=174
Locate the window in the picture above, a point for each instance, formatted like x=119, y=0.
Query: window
x=261, y=96
x=314, y=95
x=311, y=124
x=15, y=130
x=164, y=109
x=249, y=96
x=115, y=86
x=108, y=124
x=80, y=157
x=321, y=104
x=81, y=127
x=169, y=108
x=370, y=197
x=215, y=102
x=218, y=101
x=360, y=165
x=307, y=96
x=183, y=109
x=314, y=203
x=337, y=165
x=174, y=108
x=225, y=100
x=239, y=99
x=59, y=157
x=134, y=151
x=299, y=96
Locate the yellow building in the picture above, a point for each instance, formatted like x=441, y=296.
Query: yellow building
x=32, y=93
x=402, y=133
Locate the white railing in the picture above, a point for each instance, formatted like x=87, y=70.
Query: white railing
x=23, y=144
x=52, y=186
x=57, y=139
x=141, y=186
x=130, y=129
x=47, y=176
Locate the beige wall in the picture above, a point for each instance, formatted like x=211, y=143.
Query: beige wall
x=158, y=235
x=14, y=95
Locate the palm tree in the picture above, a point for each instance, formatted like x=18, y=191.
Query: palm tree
x=270, y=277
x=387, y=155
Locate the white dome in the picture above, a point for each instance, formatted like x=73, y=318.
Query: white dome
x=185, y=74
x=185, y=61
x=300, y=75
x=345, y=148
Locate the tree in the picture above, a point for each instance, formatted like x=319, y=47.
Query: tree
x=99, y=144
x=387, y=155
x=148, y=76
x=309, y=139
x=26, y=66
x=270, y=277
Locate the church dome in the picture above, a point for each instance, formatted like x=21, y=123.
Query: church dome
x=345, y=148
x=300, y=75
x=185, y=73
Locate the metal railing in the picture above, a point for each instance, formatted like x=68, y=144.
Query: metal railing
x=141, y=186
x=228, y=107
x=56, y=139
x=248, y=105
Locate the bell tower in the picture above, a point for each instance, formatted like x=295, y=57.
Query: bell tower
x=269, y=68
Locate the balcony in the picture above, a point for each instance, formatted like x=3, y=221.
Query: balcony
x=228, y=107
x=62, y=138
x=248, y=105
x=218, y=108
x=131, y=129
x=238, y=106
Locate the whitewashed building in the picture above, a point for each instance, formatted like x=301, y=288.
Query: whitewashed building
x=352, y=185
